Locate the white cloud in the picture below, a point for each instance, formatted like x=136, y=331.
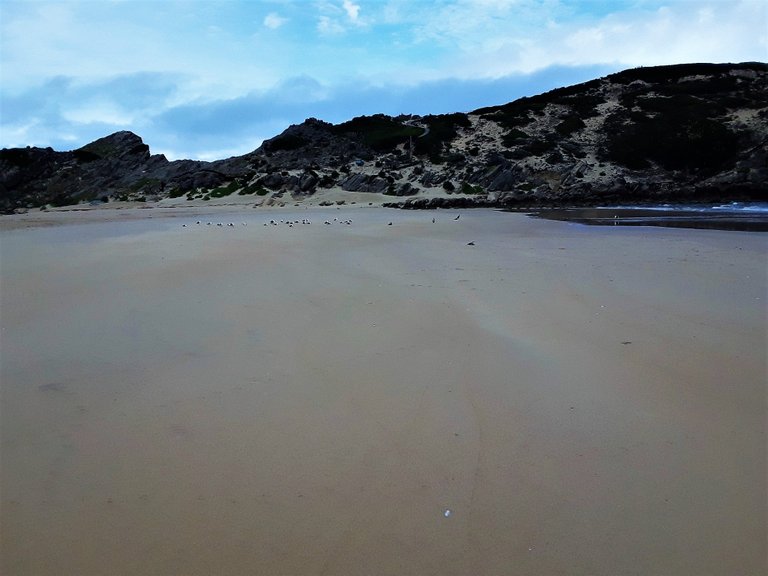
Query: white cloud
x=506, y=38
x=94, y=41
x=99, y=111
x=243, y=147
x=273, y=21
x=335, y=17
x=19, y=135
x=352, y=10
x=328, y=26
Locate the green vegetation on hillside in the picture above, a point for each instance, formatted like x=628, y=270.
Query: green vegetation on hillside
x=18, y=157
x=442, y=128
x=285, y=142
x=570, y=125
x=380, y=132
x=518, y=113
x=222, y=191
x=672, y=141
x=662, y=74
x=513, y=137
x=665, y=123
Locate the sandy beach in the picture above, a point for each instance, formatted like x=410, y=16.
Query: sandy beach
x=493, y=395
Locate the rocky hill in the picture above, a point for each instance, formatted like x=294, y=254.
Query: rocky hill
x=695, y=132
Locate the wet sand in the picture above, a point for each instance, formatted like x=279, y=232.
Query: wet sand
x=365, y=398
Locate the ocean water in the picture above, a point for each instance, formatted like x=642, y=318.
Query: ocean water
x=752, y=207
x=741, y=216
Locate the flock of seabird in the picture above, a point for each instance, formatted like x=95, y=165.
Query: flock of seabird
x=291, y=223
x=217, y=224
x=302, y=222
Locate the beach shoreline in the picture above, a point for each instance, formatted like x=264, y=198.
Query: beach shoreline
x=735, y=216
x=381, y=393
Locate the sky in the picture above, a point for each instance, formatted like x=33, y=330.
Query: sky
x=211, y=79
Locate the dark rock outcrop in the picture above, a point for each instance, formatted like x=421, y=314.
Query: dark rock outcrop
x=359, y=182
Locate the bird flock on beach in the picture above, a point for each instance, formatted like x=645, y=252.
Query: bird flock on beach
x=288, y=223
x=292, y=223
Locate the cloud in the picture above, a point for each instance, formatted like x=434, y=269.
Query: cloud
x=65, y=110
x=98, y=111
x=352, y=10
x=273, y=21
x=92, y=41
x=333, y=17
x=492, y=39
x=239, y=148
x=328, y=26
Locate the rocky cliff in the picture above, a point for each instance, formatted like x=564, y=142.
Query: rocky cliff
x=696, y=132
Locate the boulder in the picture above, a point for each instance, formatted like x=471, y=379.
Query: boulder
x=405, y=189
x=504, y=180
x=273, y=181
x=308, y=182
x=431, y=178
x=358, y=182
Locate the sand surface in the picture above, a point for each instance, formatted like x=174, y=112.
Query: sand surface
x=359, y=399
